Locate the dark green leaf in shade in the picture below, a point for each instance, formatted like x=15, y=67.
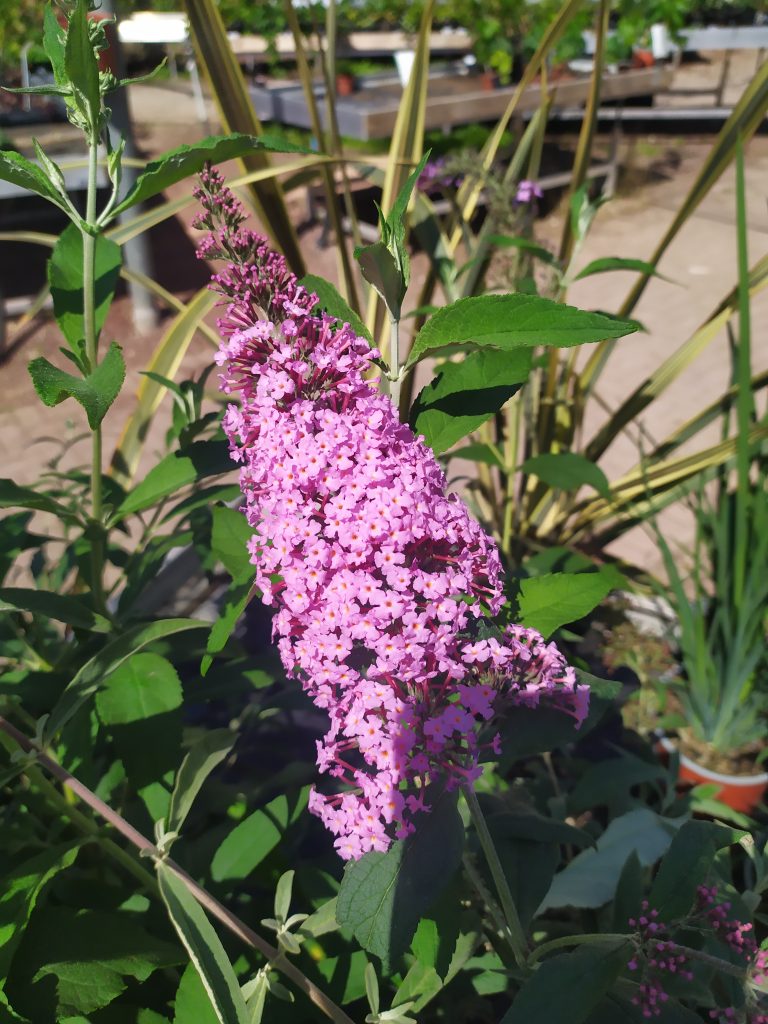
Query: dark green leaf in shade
x=92, y=675
x=22, y=889
x=252, y=839
x=179, y=163
x=177, y=470
x=65, y=276
x=686, y=864
x=334, y=304
x=95, y=392
x=62, y=607
x=230, y=534
x=591, y=878
x=140, y=702
x=14, y=496
x=629, y=893
x=567, y=987
x=383, y=896
x=547, y=602
x=465, y=394
x=205, y=755
x=514, y=321
x=204, y=947
x=567, y=471
x=234, y=605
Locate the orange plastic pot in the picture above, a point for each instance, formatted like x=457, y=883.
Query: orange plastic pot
x=739, y=792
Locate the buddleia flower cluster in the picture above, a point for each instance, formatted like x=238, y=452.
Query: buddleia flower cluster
x=383, y=585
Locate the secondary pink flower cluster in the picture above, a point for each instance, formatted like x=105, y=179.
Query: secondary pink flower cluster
x=657, y=955
x=381, y=581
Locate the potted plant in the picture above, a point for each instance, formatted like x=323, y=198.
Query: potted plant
x=721, y=691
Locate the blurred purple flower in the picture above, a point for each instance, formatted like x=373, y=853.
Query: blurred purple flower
x=527, y=191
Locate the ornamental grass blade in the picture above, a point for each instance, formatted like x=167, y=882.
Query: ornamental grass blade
x=204, y=947
x=655, y=384
x=745, y=118
x=406, y=148
x=347, y=274
x=588, y=126
x=165, y=360
x=223, y=72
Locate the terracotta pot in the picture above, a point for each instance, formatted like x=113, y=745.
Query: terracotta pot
x=489, y=80
x=643, y=59
x=345, y=85
x=740, y=792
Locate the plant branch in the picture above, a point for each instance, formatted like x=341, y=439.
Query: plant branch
x=517, y=935
x=204, y=898
x=573, y=940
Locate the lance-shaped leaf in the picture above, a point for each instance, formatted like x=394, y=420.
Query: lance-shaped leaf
x=179, y=163
x=547, y=602
x=81, y=66
x=204, y=947
x=22, y=172
x=331, y=300
x=463, y=395
x=514, y=321
x=92, y=675
x=567, y=471
x=62, y=607
x=65, y=276
x=200, y=761
x=384, y=895
x=95, y=392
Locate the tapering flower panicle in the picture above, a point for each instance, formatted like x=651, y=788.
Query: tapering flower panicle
x=382, y=583
x=657, y=956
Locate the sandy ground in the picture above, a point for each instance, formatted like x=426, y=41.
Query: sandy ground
x=701, y=263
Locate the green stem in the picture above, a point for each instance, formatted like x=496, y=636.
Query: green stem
x=518, y=940
x=572, y=940
x=394, y=363
x=92, y=355
x=148, y=849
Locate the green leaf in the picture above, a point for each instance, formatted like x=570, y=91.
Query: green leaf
x=230, y=534
x=174, y=471
x=547, y=602
x=569, y=986
x=687, y=863
x=527, y=731
x=384, y=895
x=235, y=604
x=629, y=892
x=95, y=392
x=204, y=948
x=591, y=878
x=610, y=263
x=22, y=889
x=248, y=843
x=463, y=395
x=62, y=607
x=321, y=922
x=610, y=784
x=89, y=953
x=514, y=321
x=27, y=175
x=567, y=471
x=13, y=496
x=330, y=299
x=65, y=276
x=198, y=764
x=380, y=269
x=81, y=66
x=177, y=164
x=192, y=1003
x=92, y=675
x=477, y=452
x=53, y=44
x=396, y=216
x=537, y=829
x=140, y=703
x=526, y=244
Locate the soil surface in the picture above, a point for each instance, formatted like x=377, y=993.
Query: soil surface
x=657, y=171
